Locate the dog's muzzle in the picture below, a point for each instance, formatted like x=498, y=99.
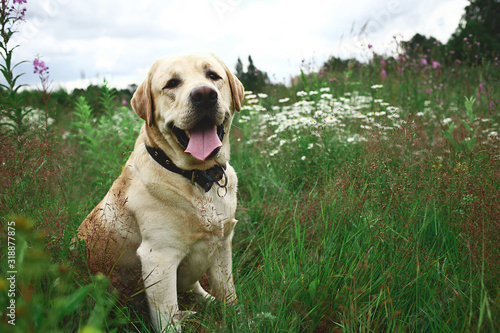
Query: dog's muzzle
x=203, y=140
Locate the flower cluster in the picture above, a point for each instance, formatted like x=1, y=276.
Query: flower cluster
x=16, y=13
x=317, y=112
x=319, y=120
x=39, y=66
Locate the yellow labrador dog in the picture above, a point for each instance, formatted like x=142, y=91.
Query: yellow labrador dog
x=169, y=217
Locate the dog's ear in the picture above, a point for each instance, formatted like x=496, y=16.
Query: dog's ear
x=142, y=101
x=237, y=89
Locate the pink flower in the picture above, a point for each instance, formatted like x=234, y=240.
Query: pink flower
x=124, y=102
x=435, y=64
x=39, y=65
x=370, y=46
x=382, y=63
x=481, y=89
x=423, y=62
x=19, y=1
x=383, y=73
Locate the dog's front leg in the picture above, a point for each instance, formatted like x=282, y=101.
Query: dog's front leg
x=159, y=271
x=220, y=273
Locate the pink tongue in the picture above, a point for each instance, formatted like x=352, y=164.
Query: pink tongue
x=203, y=142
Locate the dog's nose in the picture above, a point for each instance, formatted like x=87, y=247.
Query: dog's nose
x=204, y=96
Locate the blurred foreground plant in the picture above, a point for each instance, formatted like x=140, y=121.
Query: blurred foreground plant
x=44, y=296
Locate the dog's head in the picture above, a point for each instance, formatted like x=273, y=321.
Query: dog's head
x=188, y=104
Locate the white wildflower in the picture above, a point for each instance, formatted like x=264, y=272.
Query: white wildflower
x=377, y=86
x=272, y=137
x=447, y=121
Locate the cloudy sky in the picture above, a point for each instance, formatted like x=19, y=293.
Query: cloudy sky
x=84, y=41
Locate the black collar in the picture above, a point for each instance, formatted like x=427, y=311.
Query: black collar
x=204, y=178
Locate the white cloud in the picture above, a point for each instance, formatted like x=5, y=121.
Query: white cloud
x=119, y=40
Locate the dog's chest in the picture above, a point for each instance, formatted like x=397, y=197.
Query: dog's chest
x=214, y=225
x=214, y=218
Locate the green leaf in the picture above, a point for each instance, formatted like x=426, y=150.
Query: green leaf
x=312, y=289
x=467, y=126
x=69, y=304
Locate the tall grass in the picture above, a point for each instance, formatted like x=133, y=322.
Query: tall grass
x=367, y=203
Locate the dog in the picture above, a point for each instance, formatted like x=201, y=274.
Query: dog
x=169, y=218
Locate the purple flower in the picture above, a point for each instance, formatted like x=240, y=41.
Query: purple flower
x=19, y=1
x=435, y=64
x=481, y=88
x=382, y=63
x=124, y=102
x=383, y=73
x=39, y=66
x=370, y=46
x=423, y=62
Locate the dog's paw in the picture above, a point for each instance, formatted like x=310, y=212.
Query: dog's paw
x=181, y=315
x=172, y=323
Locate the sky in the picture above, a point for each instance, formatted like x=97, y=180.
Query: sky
x=85, y=41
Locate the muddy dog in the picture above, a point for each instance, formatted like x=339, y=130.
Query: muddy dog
x=168, y=219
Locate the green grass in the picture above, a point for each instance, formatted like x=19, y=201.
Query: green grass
x=361, y=209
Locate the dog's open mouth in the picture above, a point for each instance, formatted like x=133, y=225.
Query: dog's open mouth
x=202, y=141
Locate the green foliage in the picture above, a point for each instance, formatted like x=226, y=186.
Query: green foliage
x=356, y=235
x=253, y=79
x=479, y=22
x=47, y=297
x=12, y=114
x=466, y=145
x=105, y=139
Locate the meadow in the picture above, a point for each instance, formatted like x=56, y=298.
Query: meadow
x=369, y=201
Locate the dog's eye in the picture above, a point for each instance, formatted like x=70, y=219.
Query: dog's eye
x=213, y=76
x=172, y=83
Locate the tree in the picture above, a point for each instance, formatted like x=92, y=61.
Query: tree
x=253, y=79
x=419, y=44
x=480, y=25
